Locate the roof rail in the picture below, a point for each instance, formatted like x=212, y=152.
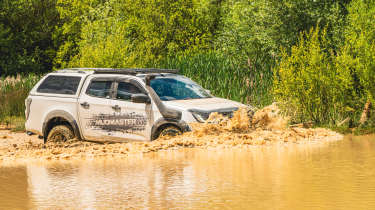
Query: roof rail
x=129, y=71
x=75, y=70
x=134, y=71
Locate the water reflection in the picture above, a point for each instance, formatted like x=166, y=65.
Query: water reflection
x=339, y=175
x=13, y=188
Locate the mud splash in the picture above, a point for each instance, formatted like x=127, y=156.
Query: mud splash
x=265, y=127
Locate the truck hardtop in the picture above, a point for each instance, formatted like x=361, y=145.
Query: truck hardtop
x=104, y=104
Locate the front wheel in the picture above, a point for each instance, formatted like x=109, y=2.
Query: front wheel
x=168, y=131
x=60, y=133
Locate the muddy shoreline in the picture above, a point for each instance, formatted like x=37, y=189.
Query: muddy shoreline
x=266, y=127
x=22, y=148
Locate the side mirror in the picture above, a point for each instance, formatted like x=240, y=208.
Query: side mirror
x=140, y=98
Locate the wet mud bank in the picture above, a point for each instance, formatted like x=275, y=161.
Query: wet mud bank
x=265, y=127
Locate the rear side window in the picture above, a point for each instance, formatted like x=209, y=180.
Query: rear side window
x=100, y=89
x=67, y=85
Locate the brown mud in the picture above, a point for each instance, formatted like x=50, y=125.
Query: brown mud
x=265, y=127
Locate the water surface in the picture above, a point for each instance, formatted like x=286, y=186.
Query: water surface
x=337, y=175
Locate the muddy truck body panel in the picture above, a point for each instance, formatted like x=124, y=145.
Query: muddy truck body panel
x=113, y=117
x=41, y=104
x=119, y=104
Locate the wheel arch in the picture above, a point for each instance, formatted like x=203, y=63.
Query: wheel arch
x=162, y=123
x=59, y=117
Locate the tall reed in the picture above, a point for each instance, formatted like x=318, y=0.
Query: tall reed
x=246, y=82
x=13, y=92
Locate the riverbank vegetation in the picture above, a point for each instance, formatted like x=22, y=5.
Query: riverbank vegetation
x=13, y=92
x=316, y=58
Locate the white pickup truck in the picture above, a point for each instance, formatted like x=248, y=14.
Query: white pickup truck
x=118, y=104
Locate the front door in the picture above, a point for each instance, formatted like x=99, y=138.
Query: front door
x=134, y=119
x=95, y=110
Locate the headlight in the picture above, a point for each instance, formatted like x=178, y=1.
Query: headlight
x=200, y=116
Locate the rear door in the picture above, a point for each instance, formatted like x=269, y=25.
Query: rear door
x=134, y=119
x=95, y=109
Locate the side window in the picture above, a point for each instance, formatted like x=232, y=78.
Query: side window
x=60, y=85
x=100, y=89
x=125, y=90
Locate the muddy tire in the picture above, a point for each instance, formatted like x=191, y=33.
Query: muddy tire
x=60, y=133
x=168, y=131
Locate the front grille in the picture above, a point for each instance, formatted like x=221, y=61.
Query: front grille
x=205, y=115
x=228, y=114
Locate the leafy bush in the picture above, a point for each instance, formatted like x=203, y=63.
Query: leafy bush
x=358, y=54
x=308, y=84
x=326, y=84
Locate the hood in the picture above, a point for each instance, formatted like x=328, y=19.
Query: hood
x=204, y=104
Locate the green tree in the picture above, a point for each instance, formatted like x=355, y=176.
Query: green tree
x=26, y=28
x=142, y=32
x=255, y=30
x=74, y=15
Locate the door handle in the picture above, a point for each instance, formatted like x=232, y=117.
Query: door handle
x=117, y=108
x=85, y=105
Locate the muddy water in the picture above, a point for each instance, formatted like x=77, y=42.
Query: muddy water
x=335, y=175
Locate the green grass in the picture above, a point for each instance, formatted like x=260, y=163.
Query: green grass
x=357, y=131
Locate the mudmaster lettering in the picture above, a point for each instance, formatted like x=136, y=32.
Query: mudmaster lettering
x=126, y=122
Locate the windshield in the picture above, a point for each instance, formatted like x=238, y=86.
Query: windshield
x=177, y=87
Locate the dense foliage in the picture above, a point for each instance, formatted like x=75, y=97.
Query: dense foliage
x=259, y=29
x=358, y=53
x=27, y=43
x=316, y=57
x=308, y=83
x=129, y=33
x=327, y=83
